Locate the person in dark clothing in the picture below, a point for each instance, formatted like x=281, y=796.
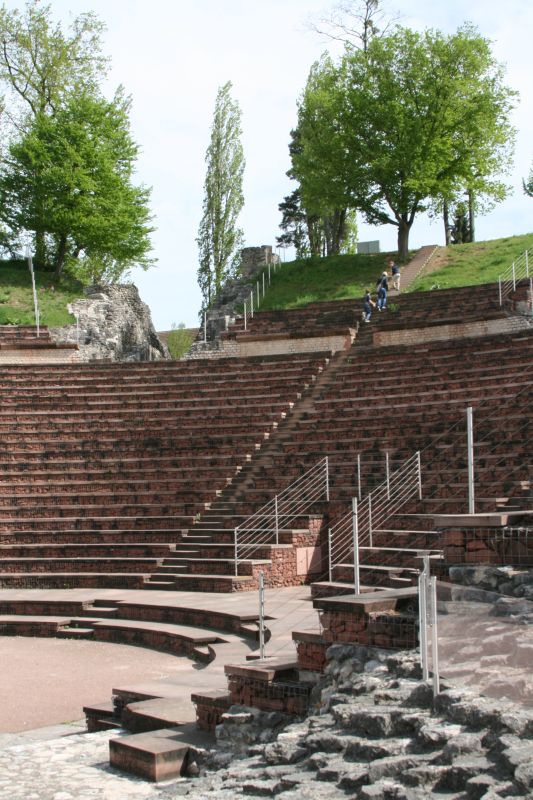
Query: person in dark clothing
x=383, y=288
x=368, y=305
x=395, y=274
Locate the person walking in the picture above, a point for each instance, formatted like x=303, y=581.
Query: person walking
x=368, y=305
x=395, y=274
x=383, y=288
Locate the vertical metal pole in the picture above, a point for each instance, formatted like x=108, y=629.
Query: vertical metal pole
x=35, y=300
x=426, y=579
x=276, y=518
x=258, y=298
x=269, y=273
x=205, y=327
x=235, y=547
x=419, y=463
x=355, y=537
x=327, y=478
x=261, y=614
x=434, y=637
x=370, y=518
x=527, y=263
x=330, y=565
x=387, y=474
x=263, y=284
x=422, y=629
x=500, y=288
x=514, y=278
x=245, y=315
x=359, y=476
x=252, y=303
x=470, y=445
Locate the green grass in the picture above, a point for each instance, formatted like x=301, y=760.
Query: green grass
x=16, y=297
x=471, y=264
x=298, y=283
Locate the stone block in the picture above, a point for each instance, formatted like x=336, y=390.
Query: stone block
x=156, y=756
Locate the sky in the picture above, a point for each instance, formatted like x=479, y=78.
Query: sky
x=172, y=56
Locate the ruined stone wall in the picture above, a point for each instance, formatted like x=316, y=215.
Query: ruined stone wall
x=114, y=324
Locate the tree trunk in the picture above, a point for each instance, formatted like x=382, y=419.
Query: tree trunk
x=403, y=238
x=446, y=218
x=40, y=249
x=60, y=255
x=471, y=215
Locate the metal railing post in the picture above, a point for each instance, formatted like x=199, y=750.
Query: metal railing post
x=387, y=474
x=434, y=637
x=330, y=566
x=514, y=278
x=261, y=614
x=34, y=290
x=327, y=479
x=269, y=273
x=276, y=516
x=245, y=315
x=263, y=285
x=500, y=288
x=258, y=297
x=422, y=628
x=419, y=463
x=355, y=536
x=370, y=518
x=527, y=263
x=252, y=303
x=470, y=446
x=359, y=476
x=235, y=548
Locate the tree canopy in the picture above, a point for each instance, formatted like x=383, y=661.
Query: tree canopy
x=415, y=116
x=219, y=238
x=66, y=176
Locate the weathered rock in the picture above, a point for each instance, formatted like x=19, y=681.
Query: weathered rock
x=114, y=324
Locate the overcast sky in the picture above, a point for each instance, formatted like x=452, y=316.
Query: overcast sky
x=172, y=55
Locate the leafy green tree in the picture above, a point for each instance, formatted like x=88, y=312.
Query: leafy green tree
x=528, y=185
x=179, y=341
x=70, y=177
x=219, y=239
x=413, y=118
x=293, y=225
x=40, y=64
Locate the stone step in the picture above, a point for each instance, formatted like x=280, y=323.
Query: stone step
x=155, y=756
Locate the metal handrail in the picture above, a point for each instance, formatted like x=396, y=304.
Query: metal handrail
x=264, y=525
x=518, y=270
x=373, y=511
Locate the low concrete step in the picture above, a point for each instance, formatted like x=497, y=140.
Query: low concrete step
x=151, y=715
x=156, y=756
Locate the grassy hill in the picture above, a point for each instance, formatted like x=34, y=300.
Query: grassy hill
x=309, y=280
x=304, y=281
x=16, y=297
x=471, y=264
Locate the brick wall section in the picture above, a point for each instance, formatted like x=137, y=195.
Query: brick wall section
x=460, y=330
x=311, y=650
x=269, y=347
x=209, y=709
x=32, y=357
x=486, y=546
x=390, y=631
x=275, y=696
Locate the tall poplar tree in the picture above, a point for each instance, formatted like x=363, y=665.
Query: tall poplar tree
x=219, y=238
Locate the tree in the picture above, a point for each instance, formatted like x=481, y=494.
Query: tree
x=219, y=239
x=179, y=341
x=354, y=23
x=40, y=64
x=528, y=185
x=69, y=177
x=294, y=225
x=411, y=119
